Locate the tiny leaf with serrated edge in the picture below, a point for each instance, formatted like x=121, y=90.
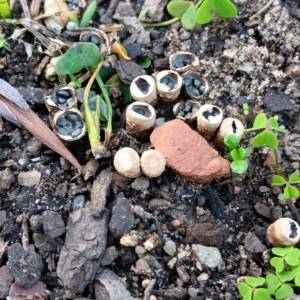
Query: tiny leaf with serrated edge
x=231, y=141
x=178, y=8
x=255, y=281
x=238, y=154
x=248, y=151
x=277, y=263
x=278, y=180
x=239, y=166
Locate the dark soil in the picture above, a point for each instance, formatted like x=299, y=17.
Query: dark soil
x=254, y=62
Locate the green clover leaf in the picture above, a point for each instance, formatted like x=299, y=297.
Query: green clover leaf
x=277, y=263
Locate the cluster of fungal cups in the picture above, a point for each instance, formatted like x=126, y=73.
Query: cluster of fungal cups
x=183, y=77
x=167, y=85
x=66, y=120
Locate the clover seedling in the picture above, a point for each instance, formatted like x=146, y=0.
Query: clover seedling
x=202, y=12
x=239, y=165
x=289, y=191
x=281, y=284
x=277, y=288
x=252, y=289
x=3, y=42
x=266, y=137
x=287, y=255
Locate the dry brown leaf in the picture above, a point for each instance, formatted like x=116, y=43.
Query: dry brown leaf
x=14, y=108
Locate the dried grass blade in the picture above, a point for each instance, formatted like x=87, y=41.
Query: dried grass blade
x=38, y=128
x=12, y=94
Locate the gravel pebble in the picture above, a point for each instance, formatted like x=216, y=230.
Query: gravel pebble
x=208, y=256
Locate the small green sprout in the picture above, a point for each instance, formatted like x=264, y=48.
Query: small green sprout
x=88, y=14
x=3, y=43
x=190, y=14
x=238, y=154
x=11, y=21
x=253, y=289
x=287, y=255
x=5, y=11
x=202, y=12
x=279, y=285
x=290, y=191
x=75, y=80
x=266, y=137
x=144, y=61
x=246, y=109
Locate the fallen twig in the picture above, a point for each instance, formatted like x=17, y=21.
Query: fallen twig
x=261, y=10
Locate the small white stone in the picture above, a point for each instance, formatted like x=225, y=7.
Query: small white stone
x=183, y=254
x=172, y=262
x=170, y=247
x=264, y=189
x=208, y=256
x=193, y=292
x=202, y=277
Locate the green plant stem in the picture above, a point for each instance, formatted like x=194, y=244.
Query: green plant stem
x=108, y=129
x=7, y=48
x=199, y=3
x=88, y=14
x=159, y=24
x=92, y=122
x=289, y=202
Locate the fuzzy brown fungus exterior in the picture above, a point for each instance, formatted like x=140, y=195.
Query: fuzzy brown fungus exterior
x=153, y=163
x=283, y=232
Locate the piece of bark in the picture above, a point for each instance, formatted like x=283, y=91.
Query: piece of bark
x=98, y=194
x=100, y=292
x=25, y=266
x=207, y=234
x=109, y=256
x=85, y=242
x=122, y=219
